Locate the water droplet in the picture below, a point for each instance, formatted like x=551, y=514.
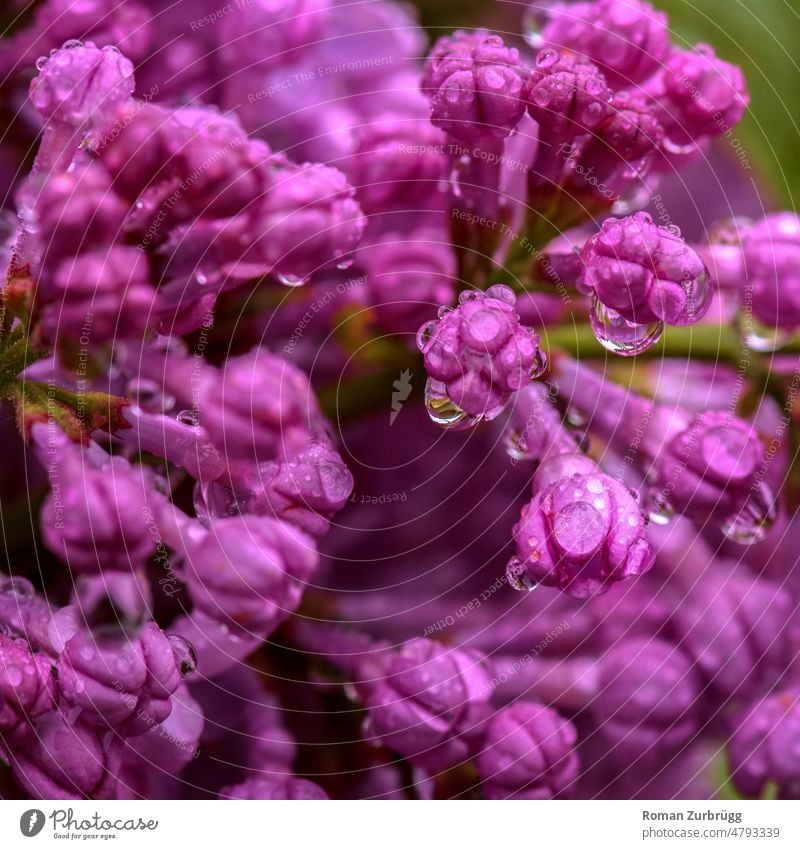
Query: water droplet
x=425, y=334
x=200, y=278
x=443, y=411
x=517, y=576
x=676, y=147
x=760, y=337
x=659, y=510
x=512, y=442
x=469, y=295
x=575, y=418
x=185, y=654
x=20, y=587
x=753, y=522
x=345, y=263
x=539, y=364
x=456, y=176
x=41, y=62
x=212, y=500
x=352, y=693
x=534, y=20
x=292, y=280
x=188, y=417
x=620, y=336
x=71, y=44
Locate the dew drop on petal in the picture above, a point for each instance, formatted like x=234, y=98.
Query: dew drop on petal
x=425, y=333
x=20, y=587
x=539, y=364
x=188, y=417
x=291, y=280
x=185, y=654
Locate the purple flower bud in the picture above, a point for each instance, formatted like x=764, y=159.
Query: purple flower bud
x=275, y=787
x=409, y=276
x=710, y=469
x=55, y=759
x=97, y=518
x=398, y=161
x=476, y=356
x=620, y=150
x=703, y=96
x=565, y=96
x=75, y=213
x=771, y=251
x=121, y=682
x=737, y=630
x=425, y=701
x=581, y=532
x=475, y=84
x=528, y=753
x=310, y=219
x=306, y=489
x=249, y=571
x=111, y=290
x=628, y=39
x=763, y=746
x=645, y=273
x=153, y=761
x=646, y=699
x=26, y=683
x=263, y=34
x=223, y=169
x=258, y=407
x=81, y=82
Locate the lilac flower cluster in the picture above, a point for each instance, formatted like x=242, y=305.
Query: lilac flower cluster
x=309, y=358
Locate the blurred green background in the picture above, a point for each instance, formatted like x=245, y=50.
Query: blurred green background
x=762, y=36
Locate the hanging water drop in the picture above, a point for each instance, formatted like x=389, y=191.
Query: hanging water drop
x=518, y=577
x=513, y=443
x=443, y=411
x=657, y=508
x=620, y=336
x=752, y=523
